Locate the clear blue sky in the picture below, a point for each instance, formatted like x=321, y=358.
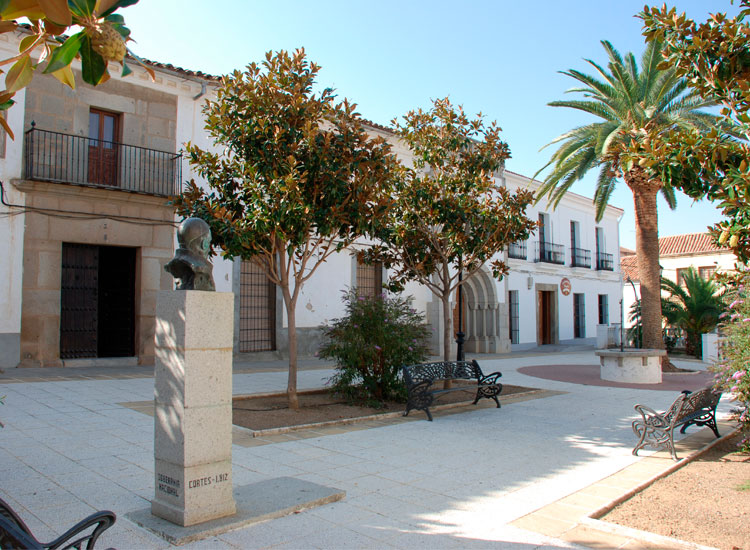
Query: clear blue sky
x=499, y=57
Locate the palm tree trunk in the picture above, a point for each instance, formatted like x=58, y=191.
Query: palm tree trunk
x=647, y=252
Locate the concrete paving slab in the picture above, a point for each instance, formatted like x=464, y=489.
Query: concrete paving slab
x=262, y=501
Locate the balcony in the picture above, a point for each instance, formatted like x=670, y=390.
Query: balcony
x=604, y=262
x=517, y=250
x=550, y=253
x=76, y=160
x=580, y=257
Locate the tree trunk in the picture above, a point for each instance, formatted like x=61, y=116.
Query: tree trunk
x=647, y=252
x=447, y=326
x=291, y=306
x=447, y=332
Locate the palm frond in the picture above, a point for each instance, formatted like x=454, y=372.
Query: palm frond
x=668, y=193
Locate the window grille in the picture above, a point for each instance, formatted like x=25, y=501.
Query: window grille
x=603, y=309
x=257, y=310
x=514, y=316
x=579, y=316
x=369, y=279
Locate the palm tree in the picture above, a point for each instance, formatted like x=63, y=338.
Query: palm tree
x=695, y=308
x=635, y=106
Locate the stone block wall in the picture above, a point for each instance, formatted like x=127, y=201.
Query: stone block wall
x=43, y=239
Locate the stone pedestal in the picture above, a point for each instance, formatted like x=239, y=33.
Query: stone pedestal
x=193, y=405
x=634, y=366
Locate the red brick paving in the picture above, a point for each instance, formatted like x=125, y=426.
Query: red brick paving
x=588, y=375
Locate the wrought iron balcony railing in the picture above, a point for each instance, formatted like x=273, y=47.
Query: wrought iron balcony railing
x=580, y=257
x=550, y=253
x=605, y=262
x=65, y=158
x=517, y=250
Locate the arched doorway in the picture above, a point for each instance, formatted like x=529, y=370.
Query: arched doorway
x=483, y=317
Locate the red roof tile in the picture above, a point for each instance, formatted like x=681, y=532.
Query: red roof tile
x=629, y=268
x=691, y=243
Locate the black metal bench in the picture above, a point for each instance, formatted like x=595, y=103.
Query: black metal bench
x=657, y=429
x=420, y=378
x=15, y=534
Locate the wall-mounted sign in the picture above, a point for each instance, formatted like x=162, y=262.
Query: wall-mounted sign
x=565, y=286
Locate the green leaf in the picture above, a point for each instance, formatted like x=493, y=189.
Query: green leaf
x=82, y=8
x=109, y=6
x=115, y=18
x=19, y=75
x=93, y=65
x=65, y=54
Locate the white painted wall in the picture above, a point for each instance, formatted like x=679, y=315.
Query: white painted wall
x=11, y=227
x=591, y=282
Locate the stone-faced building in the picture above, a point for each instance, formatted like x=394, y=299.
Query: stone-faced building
x=87, y=182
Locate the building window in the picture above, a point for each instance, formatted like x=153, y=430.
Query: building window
x=369, y=278
x=707, y=272
x=104, y=151
x=579, y=316
x=603, y=309
x=681, y=275
x=513, y=315
x=257, y=309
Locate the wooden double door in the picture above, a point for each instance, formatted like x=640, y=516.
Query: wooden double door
x=97, y=295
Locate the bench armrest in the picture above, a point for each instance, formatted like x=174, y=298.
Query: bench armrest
x=651, y=417
x=420, y=387
x=489, y=379
x=100, y=521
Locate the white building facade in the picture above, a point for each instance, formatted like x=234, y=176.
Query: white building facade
x=86, y=229
x=565, y=280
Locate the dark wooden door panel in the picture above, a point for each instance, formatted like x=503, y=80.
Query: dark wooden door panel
x=78, y=297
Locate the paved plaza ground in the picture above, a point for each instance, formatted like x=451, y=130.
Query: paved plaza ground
x=517, y=477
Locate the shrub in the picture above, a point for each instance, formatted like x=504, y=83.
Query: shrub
x=371, y=343
x=733, y=370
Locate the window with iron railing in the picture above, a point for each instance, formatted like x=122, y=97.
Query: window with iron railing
x=603, y=309
x=580, y=257
x=550, y=253
x=369, y=279
x=605, y=262
x=514, y=316
x=63, y=158
x=517, y=250
x=579, y=316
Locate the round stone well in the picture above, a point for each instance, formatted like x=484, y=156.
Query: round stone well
x=634, y=366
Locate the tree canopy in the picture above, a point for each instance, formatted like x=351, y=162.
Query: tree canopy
x=293, y=178
x=635, y=105
x=714, y=58
x=449, y=212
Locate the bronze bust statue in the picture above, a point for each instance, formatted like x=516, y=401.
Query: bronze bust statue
x=190, y=266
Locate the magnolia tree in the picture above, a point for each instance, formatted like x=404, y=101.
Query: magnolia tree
x=449, y=215
x=297, y=179
x=713, y=58
x=101, y=40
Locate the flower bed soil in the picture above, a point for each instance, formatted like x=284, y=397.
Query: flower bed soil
x=271, y=411
x=706, y=502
